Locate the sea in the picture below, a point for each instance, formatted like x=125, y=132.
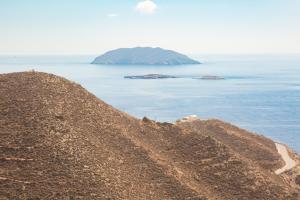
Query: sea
x=260, y=93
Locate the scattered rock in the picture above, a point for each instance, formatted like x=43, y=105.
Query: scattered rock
x=297, y=180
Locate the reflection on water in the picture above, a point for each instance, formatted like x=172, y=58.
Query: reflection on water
x=259, y=93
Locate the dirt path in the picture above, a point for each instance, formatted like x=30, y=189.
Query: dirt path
x=289, y=162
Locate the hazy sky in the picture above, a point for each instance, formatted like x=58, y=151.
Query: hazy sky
x=189, y=26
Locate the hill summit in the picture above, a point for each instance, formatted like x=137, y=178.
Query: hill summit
x=58, y=141
x=143, y=56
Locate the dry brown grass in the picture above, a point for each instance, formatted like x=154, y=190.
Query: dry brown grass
x=58, y=141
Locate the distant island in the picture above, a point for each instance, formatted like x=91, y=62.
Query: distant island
x=150, y=76
x=143, y=56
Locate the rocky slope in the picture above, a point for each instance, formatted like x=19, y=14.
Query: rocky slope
x=143, y=56
x=58, y=141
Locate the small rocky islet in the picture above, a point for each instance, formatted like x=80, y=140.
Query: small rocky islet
x=210, y=77
x=162, y=76
x=151, y=76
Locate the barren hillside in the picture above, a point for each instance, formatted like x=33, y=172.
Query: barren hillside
x=58, y=141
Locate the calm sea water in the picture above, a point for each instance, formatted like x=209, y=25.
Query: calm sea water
x=260, y=93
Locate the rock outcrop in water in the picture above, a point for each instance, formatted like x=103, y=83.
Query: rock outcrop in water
x=58, y=141
x=143, y=56
x=210, y=77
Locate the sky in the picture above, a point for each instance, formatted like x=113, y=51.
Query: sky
x=188, y=26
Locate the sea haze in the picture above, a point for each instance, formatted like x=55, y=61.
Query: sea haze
x=259, y=93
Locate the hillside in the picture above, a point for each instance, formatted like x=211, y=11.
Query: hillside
x=58, y=141
x=143, y=56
